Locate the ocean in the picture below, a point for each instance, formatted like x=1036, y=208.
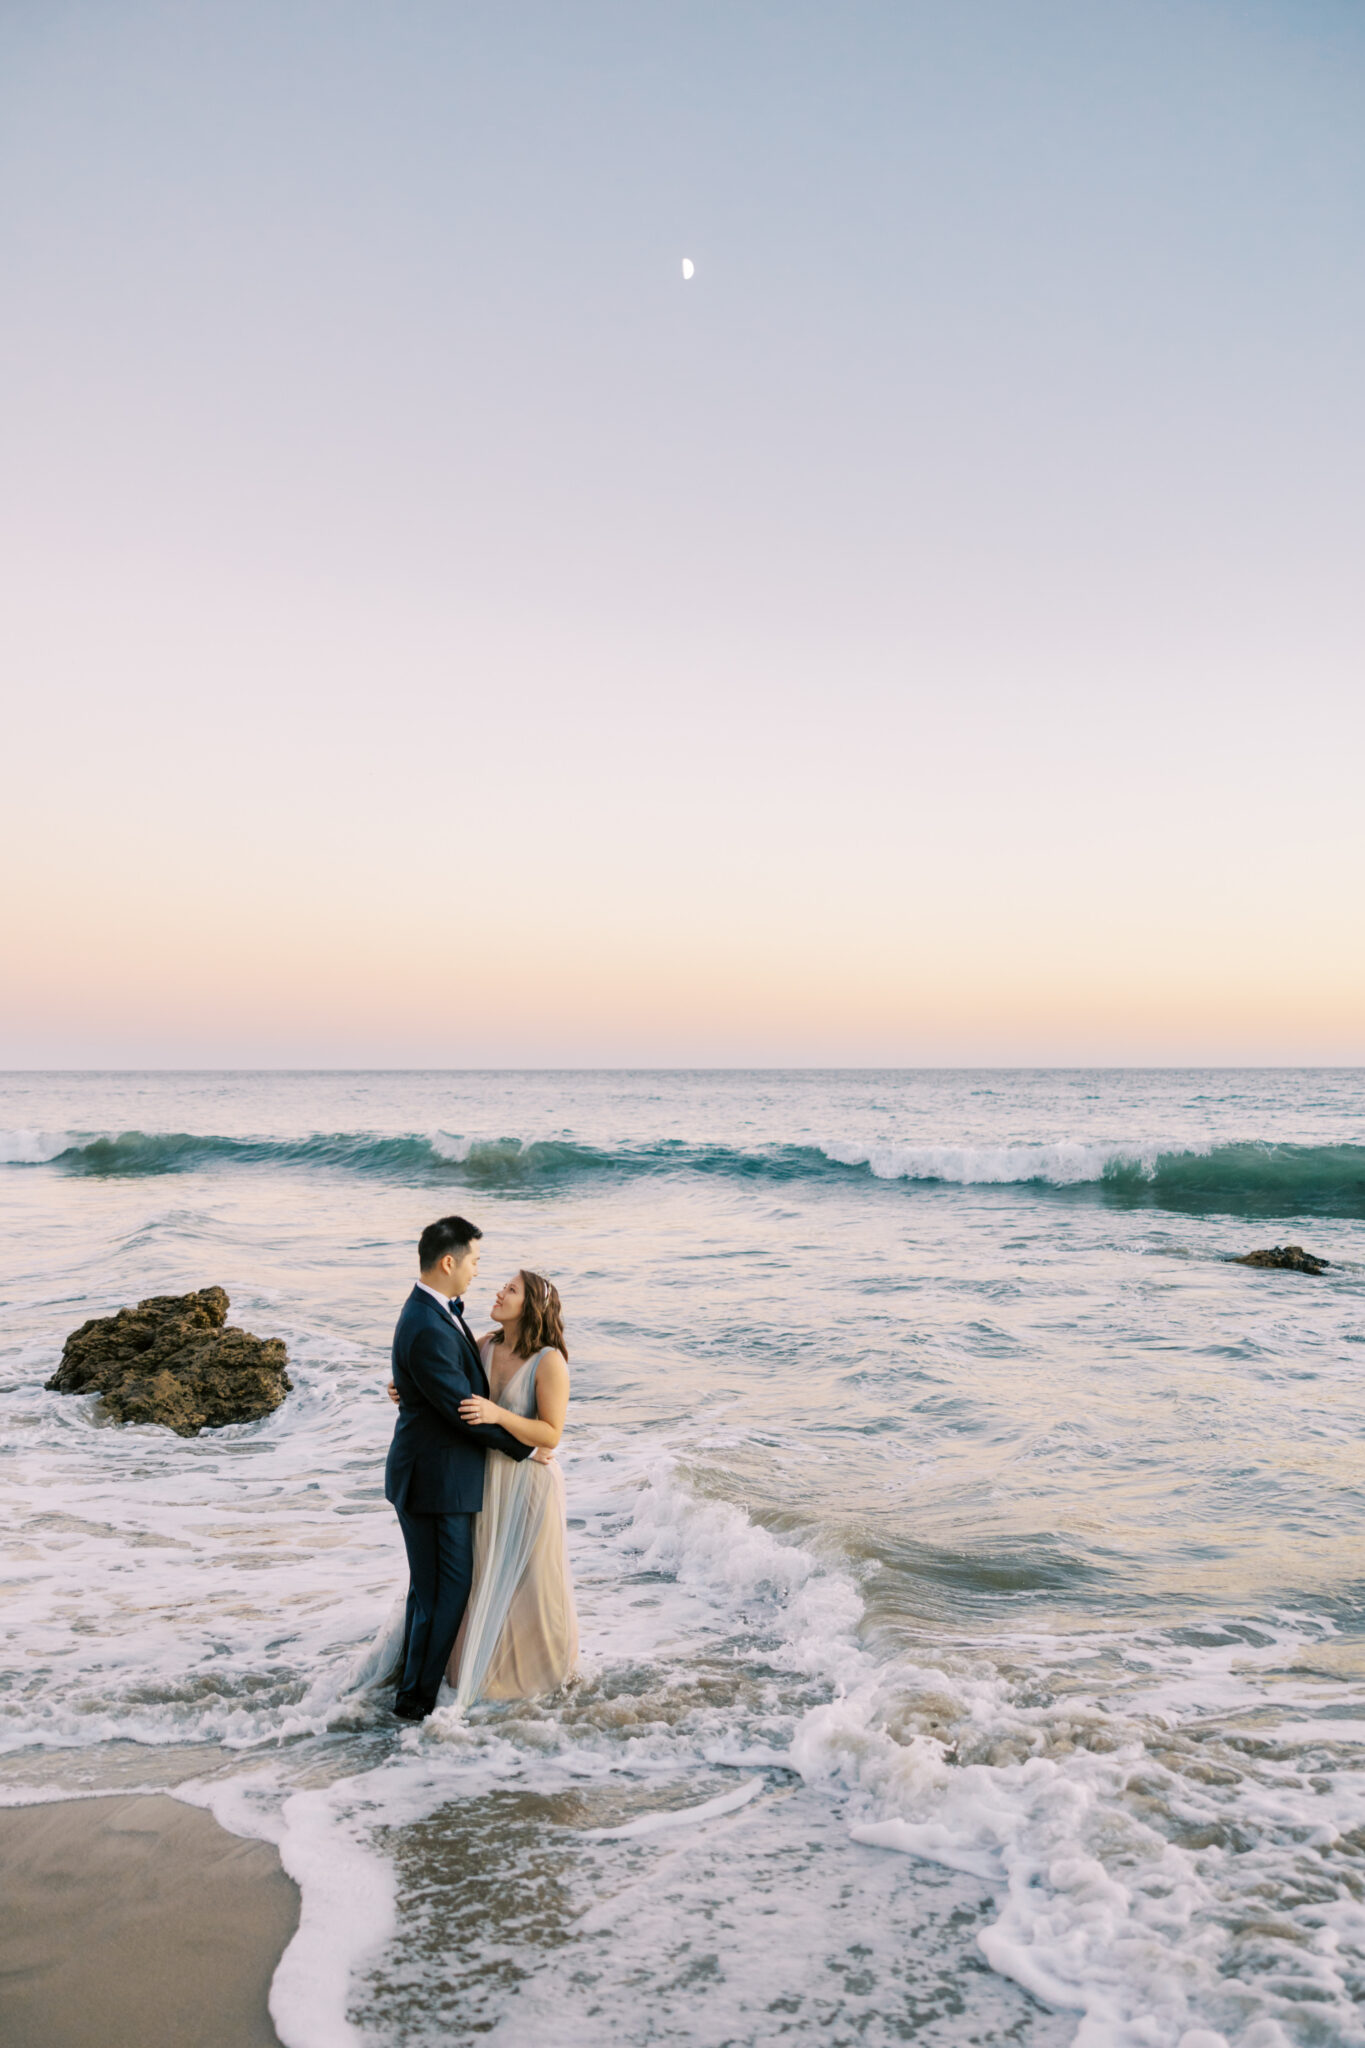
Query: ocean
x=970, y=1558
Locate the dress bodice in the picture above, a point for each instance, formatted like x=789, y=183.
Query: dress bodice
x=518, y=1396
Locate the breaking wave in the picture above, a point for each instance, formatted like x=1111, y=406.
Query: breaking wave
x=1249, y=1178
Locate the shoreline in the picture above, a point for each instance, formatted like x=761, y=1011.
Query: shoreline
x=137, y=1922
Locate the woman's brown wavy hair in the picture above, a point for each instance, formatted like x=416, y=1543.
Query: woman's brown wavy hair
x=542, y=1318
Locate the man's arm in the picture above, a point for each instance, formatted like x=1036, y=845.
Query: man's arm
x=435, y=1363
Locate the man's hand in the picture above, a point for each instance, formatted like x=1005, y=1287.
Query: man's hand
x=540, y=1456
x=393, y=1392
x=475, y=1409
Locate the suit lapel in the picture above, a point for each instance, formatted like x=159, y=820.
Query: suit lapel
x=471, y=1349
x=480, y=1377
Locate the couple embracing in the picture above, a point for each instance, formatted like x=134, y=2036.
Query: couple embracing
x=472, y=1476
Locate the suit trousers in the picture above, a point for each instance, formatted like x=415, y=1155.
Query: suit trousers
x=440, y=1570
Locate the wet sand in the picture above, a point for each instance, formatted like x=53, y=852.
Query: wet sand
x=137, y=1923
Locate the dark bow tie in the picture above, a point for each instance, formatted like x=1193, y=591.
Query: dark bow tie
x=457, y=1305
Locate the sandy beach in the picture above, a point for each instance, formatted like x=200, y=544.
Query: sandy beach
x=137, y=1923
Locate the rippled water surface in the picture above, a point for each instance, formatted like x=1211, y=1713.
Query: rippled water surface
x=971, y=1560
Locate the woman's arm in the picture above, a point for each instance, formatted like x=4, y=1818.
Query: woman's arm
x=436, y=1368
x=546, y=1427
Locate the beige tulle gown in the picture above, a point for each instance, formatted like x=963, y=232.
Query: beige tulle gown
x=519, y=1636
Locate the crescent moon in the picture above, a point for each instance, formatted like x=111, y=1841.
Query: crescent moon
x=688, y=266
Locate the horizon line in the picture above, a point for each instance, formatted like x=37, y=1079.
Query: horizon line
x=1022, y=1067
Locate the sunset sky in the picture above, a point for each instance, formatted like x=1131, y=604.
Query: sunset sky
x=433, y=633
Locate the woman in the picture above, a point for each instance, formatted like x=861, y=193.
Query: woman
x=519, y=1636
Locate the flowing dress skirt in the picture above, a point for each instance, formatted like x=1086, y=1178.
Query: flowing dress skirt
x=519, y=1636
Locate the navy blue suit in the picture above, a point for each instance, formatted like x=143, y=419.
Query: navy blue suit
x=434, y=1478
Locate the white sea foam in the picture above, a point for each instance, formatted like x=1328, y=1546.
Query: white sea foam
x=1100, y=1910
x=347, y=1892
x=1066, y=1163
x=744, y=1572
x=679, y=1816
x=456, y=1150
x=33, y=1148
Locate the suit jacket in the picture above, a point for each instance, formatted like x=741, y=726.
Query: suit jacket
x=435, y=1462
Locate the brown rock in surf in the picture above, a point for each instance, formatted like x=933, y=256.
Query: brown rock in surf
x=1286, y=1258
x=173, y=1360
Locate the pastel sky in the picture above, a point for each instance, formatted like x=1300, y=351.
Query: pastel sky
x=432, y=633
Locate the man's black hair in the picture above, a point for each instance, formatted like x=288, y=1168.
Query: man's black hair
x=447, y=1234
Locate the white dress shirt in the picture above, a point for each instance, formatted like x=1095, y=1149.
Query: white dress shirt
x=442, y=1300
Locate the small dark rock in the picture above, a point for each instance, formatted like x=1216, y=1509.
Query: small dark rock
x=1288, y=1258
x=173, y=1360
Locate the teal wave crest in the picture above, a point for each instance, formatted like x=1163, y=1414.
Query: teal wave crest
x=1247, y=1179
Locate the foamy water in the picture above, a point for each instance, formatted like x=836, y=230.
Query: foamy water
x=970, y=1559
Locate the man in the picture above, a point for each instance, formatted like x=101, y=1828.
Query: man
x=434, y=1474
